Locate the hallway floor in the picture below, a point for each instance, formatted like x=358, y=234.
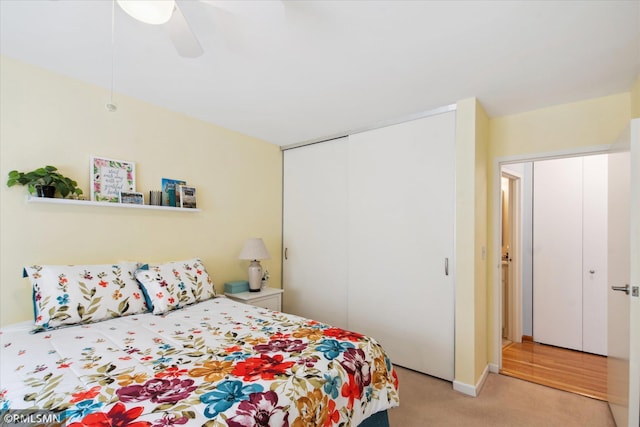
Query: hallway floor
x=569, y=370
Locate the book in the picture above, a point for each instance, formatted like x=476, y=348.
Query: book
x=169, y=195
x=187, y=196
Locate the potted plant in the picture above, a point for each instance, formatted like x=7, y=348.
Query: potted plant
x=45, y=182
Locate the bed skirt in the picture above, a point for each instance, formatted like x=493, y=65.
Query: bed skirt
x=379, y=419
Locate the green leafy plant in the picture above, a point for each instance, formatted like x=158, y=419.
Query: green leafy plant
x=47, y=175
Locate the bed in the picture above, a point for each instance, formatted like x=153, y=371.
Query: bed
x=205, y=360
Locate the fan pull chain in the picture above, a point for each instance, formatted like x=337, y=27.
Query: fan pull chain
x=111, y=106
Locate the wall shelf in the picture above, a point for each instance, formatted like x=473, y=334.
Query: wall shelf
x=59, y=201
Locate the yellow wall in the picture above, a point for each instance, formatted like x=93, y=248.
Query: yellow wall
x=470, y=267
x=46, y=118
x=576, y=126
x=480, y=232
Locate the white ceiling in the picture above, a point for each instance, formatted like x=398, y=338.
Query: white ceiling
x=294, y=71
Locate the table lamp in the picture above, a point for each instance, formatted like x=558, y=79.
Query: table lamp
x=254, y=250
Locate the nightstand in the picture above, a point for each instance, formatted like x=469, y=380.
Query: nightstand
x=269, y=298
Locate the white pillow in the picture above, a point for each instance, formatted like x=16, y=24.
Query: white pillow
x=175, y=284
x=77, y=294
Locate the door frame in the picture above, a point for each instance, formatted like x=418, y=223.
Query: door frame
x=497, y=224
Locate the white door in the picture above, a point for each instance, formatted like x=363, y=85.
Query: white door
x=634, y=315
x=624, y=268
x=557, y=252
x=570, y=253
x=401, y=222
x=315, y=233
x=594, y=255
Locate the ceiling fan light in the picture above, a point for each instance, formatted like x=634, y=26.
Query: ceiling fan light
x=148, y=11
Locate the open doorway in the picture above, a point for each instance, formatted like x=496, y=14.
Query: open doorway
x=518, y=336
x=511, y=252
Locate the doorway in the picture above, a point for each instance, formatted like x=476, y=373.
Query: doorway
x=511, y=253
x=516, y=276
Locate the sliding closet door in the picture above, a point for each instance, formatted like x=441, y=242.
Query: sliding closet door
x=315, y=233
x=401, y=222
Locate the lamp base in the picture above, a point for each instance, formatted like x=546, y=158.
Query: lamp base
x=255, y=276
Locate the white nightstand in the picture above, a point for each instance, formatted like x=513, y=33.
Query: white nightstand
x=269, y=298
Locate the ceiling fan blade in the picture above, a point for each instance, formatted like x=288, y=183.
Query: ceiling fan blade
x=183, y=38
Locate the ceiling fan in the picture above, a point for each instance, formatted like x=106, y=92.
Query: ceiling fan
x=169, y=14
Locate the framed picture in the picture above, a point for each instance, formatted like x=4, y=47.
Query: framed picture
x=109, y=177
x=131, y=197
x=187, y=197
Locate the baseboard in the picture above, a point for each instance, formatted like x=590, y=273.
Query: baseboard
x=469, y=389
x=493, y=367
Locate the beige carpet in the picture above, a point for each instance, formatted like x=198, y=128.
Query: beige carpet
x=503, y=401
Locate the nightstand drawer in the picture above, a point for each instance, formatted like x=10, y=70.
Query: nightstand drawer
x=270, y=303
x=269, y=298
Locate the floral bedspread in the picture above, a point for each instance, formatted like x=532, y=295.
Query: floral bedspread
x=216, y=363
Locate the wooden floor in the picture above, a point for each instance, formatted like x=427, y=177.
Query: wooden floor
x=568, y=370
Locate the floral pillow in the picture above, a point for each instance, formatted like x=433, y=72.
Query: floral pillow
x=74, y=294
x=175, y=284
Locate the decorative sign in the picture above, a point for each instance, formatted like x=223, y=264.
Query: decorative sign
x=111, y=177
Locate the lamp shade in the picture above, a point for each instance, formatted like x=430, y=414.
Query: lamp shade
x=254, y=249
x=148, y=11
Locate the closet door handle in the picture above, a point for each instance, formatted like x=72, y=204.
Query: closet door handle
x=446, y=266
x=285, y=253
